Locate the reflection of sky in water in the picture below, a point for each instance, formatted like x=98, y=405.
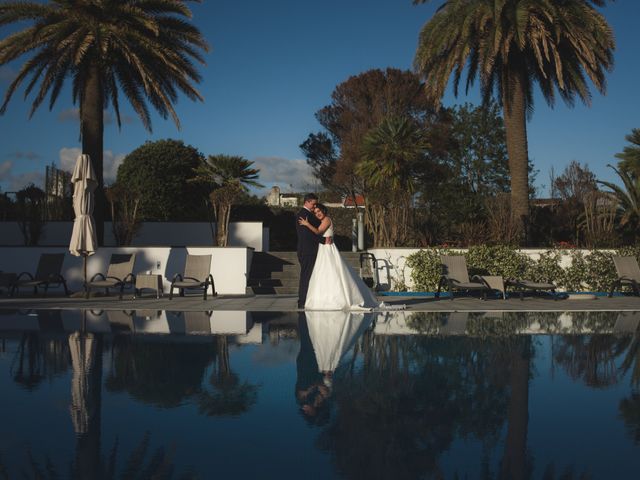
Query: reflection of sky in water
x=425, y=393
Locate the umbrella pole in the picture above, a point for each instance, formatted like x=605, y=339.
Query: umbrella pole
x=84, y=268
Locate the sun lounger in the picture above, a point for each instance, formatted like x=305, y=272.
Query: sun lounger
x=48, y=273
x=455, y=276
x=628, y=273
x=521, y=286
x=119, y=274
x=197, y=275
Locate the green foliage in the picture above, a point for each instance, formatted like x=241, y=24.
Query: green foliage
x=628, y=198
x=426, y=269
x=159, y=173
x=547, y=268
x=630, y=156
x=223, y=170
x=587, y=271
x=391, y=152
x=501, y=260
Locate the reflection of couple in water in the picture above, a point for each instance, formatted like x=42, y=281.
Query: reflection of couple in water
x=324, y=338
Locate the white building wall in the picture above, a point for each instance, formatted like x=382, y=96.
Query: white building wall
x=229, y=265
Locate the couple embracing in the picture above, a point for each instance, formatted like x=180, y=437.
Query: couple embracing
x=327, y=282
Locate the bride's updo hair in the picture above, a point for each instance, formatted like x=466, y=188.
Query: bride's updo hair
x=322, y=208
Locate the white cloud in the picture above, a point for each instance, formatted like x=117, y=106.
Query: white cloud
x=290, y=175
x=69, y=115
x=111, y=162
x=5, y=169
x=12, y=182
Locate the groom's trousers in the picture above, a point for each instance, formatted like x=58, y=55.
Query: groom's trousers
x=307, y=263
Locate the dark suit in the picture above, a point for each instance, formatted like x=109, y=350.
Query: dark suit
x=307, y=250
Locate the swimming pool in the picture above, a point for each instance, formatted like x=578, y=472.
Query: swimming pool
x=321, y=395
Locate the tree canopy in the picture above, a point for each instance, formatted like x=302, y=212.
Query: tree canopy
x=159, y=173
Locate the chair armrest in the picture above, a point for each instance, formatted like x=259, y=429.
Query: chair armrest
x=130, y=278
x=480, y=279
x=27, y=274
x=447, y=278
x=194, y=279
x=177, y=276
x=96, y=276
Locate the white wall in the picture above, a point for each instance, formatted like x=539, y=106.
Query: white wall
x=229, y=265
x=162, y=234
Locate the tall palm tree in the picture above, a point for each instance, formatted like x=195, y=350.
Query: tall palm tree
x=145, y=48
x=512, y=45
x=228, y=176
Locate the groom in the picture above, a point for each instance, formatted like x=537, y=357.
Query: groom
x=307, y=245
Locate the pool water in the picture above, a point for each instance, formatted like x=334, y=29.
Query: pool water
x=154, y=394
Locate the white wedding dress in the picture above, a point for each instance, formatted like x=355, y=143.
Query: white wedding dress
x=333, y=334
x=334, y=285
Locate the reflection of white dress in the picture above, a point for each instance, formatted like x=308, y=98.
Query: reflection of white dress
x=334, y=285
x=333, y=334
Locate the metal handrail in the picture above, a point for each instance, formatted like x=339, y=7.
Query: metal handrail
x=364, y=256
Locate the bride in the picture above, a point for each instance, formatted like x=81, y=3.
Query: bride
x=334, y=285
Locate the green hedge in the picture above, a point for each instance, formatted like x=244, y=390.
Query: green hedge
x=592, y=271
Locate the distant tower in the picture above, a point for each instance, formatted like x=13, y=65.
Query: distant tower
x=273, y=197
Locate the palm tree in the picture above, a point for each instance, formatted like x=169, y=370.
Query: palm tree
x=628, y=199
x=145, y=48
x=511, y=45
x=630, y=156
x=390, y=153
x=229, y=176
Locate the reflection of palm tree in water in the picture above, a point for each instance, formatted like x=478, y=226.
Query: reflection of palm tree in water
x=515, y=464
x=409, y=398
x=35, y=360
x=229, y=396
x=591, y=358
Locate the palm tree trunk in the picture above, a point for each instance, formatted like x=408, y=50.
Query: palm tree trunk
x=515, y=122
x=91, y=131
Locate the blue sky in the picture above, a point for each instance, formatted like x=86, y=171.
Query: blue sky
x=274, y=64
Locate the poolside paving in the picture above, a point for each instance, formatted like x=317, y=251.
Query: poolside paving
x=287, y=303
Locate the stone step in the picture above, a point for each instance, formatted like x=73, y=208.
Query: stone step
x=279, y=272
x=273, y=282
x=274, y=290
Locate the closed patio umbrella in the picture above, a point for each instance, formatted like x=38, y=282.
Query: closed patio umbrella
x=83, y=238
x=83, y=403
